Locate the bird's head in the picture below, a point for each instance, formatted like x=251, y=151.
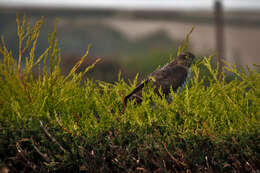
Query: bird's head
x=185, y=59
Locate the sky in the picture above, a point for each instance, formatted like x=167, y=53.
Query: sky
x=133, y=4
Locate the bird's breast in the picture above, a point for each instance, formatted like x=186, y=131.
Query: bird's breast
x=186, y=80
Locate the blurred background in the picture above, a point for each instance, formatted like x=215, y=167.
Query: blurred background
x=136, y=36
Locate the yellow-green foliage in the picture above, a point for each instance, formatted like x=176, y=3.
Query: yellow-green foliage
x=94, y=111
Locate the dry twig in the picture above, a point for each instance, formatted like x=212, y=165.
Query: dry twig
x=22, y=153
x=46, y=158
x=52, y=138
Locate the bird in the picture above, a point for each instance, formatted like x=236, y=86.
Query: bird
x=175, y=74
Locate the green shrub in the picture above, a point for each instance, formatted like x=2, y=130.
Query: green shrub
x=51, y=122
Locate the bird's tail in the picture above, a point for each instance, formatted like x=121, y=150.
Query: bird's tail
x=133, y=95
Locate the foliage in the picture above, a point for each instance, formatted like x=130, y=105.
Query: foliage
x=52, y=122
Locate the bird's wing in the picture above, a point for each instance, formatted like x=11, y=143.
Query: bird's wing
x=170, y=76
x=136, y=93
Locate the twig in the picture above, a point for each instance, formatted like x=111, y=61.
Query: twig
x=52, y=138
x=21, y=152
x=46, y=158
x=171, y=156
x=65, y=129
x=141, y=169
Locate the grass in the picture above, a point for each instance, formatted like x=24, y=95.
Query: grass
x=56, y=123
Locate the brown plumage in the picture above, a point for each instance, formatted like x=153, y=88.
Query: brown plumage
x=173, y=74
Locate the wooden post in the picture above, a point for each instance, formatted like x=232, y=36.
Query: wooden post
x=219, y=24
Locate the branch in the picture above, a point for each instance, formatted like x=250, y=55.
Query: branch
x=46, y=158
x=22, y=153
x=52, y=138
